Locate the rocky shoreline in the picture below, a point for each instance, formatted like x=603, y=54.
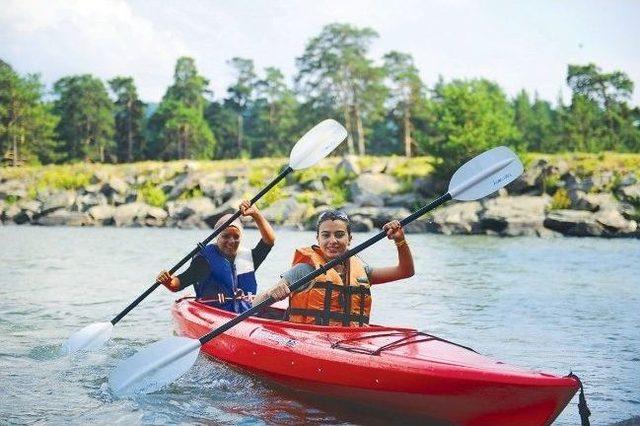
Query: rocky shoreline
x=601, y=205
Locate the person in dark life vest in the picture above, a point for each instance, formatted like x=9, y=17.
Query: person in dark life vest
x=223, y=273
x=342, y=295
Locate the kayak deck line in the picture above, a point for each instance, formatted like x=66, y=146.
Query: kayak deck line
x=403, y=341
x=413, y=373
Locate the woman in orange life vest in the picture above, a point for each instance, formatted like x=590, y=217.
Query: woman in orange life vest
x=341, y=296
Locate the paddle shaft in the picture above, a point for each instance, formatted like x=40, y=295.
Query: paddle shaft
x=324, y=268
x=202, y=244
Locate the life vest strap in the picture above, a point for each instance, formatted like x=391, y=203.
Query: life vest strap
x=223, y=298
x=322, y=317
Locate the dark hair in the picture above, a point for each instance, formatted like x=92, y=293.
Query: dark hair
x=333, y=215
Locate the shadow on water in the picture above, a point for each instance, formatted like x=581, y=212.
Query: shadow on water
x=240, y=393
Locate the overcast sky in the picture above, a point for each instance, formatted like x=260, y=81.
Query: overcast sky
x=519, y=44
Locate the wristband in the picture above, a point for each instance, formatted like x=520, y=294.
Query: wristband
x=401, y=243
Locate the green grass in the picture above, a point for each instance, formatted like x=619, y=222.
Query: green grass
x=584, y=164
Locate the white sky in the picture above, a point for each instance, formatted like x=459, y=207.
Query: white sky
x=519, y=44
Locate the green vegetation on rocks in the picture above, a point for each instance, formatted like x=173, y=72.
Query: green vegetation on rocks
x=573, y=194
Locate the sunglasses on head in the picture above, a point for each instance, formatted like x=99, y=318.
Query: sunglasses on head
x=333, y=215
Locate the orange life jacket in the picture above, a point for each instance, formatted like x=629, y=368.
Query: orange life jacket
x=329, y=301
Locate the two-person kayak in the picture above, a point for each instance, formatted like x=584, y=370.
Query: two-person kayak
x=398, y=369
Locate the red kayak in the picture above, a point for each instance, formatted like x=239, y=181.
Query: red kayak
x=397, y=369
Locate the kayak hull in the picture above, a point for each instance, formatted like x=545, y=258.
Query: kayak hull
x=388, y=368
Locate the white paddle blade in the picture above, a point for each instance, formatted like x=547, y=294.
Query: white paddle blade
x=155, y=366
x=316, y=144
x=89, y=338
x=485, y=174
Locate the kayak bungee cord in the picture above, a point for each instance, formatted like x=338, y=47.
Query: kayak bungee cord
x=402, y=341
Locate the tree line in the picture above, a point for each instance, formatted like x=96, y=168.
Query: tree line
x=384, y=104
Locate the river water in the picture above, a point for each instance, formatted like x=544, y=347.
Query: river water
x=556, y=305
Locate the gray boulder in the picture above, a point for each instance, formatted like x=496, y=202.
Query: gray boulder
x=12, y=189
x=183, y=183
x=214, y=187
x=10, y=211
x=287, y=211
x=577, y=223
x=114, y=186
x=201, y=207
x=409, y=200
x=369, y=200
x=102, y=214
x=86, y=201
x=418, y=226
x=361, y=224
x=315, y=185
x=132, y=214
x=29, y=209
x=378, y=215
x=230, y=206
x=631, y=193
x=429, y=186
x=571, y=182
x=628, y=180
x=615, y=224
x=32, y=206
x=192, y=222
x=531, y=181
x=600, y=182
x=64, y=218
x=593, y=202
x=92, y=189
x=349, y=165
x=374, y=183
x=457, y=218
x=58, y=200
x=514, y=216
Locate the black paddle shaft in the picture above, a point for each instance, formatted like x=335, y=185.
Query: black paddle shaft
x=324, y=268
x=202, y=244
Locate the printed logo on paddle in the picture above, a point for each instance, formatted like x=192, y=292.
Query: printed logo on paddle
x=274, y=338
x=501, y=179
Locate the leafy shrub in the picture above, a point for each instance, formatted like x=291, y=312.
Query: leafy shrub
x=11, y=199
x=550, y=184
x=64, y=178
x=152, y=195
x=191, y=193
x=276, y=193
x=560, y=200
x=338, y=188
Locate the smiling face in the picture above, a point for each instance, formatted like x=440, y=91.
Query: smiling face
x=229, y=240
x=333, y=238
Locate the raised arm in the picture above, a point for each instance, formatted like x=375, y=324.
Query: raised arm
x=267, y=233
x=404, y=268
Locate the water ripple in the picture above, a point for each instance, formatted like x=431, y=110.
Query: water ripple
x=552, y=305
